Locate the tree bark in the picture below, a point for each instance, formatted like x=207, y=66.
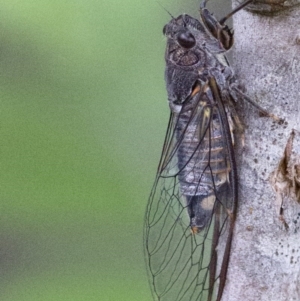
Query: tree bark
x=265, y=259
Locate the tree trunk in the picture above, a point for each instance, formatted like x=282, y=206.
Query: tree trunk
x=265, y=258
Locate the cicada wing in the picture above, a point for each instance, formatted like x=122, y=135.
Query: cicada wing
x=182, y=255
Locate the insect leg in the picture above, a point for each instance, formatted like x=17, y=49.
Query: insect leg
x=224, y=19
x=257, y=106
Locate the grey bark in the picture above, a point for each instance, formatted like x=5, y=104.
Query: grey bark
x=265, y=257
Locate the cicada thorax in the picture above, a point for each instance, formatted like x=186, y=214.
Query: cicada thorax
x=202, y=162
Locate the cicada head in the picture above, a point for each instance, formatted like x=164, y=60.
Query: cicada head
x=186, y=35
x=189, y=52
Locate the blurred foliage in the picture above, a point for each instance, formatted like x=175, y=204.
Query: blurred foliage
x=83, y=117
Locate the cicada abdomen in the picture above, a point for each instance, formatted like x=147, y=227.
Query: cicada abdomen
x=204, y=164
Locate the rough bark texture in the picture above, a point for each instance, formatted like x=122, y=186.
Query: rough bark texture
x=265, y=258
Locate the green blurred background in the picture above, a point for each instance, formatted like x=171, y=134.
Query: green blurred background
x=83, y=117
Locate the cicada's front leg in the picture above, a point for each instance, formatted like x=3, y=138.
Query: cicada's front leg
x=219, y=29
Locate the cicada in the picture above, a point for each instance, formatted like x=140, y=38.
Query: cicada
x=192, y=207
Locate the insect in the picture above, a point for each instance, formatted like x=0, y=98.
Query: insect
x=192, y=207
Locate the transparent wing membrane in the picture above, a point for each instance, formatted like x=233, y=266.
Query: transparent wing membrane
x=190, y=211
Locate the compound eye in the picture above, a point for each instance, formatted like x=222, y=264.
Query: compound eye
x=186, y=39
